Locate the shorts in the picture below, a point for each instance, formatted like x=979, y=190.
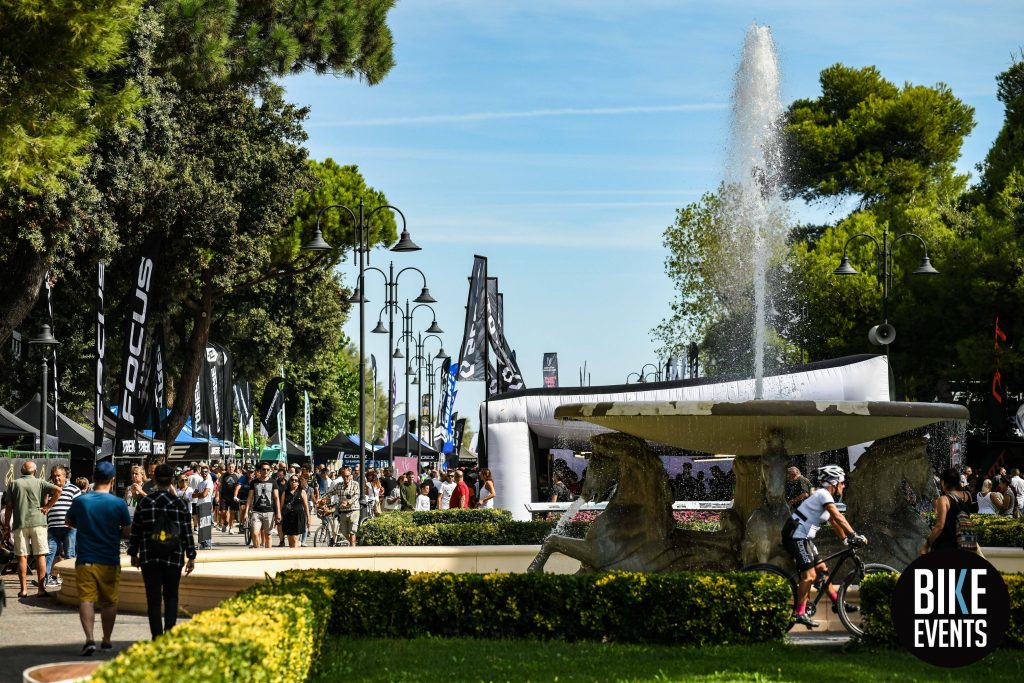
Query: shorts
x=98, y=583
x=228, y=504
x=31, y=540
x=261, y=522
x=802, y=550
x=348, y=522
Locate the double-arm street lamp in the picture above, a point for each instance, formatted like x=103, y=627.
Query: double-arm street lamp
x=361, y=248
x=644, y=375
x=407, y=337
x=885, y=334
x=421, y=360
x=46, y=340
x=391, y=306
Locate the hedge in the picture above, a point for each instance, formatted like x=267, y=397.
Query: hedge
x=458, y=527
x=994, y=531
x=273, y=631
x=876, y=593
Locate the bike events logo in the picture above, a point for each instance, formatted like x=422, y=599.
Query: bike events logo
x=951, y=608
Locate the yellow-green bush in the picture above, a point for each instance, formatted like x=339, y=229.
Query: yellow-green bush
x=259, y=638
x=876, y=593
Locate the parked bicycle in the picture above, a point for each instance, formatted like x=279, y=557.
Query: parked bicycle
x=850, y=583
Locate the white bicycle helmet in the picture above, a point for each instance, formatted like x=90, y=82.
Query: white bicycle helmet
x=831, y=474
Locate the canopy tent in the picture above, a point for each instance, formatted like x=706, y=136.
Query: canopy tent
x=408, y=444
x=293, y=449
x=342, y=444
x=69, y=433
x=273, y=454
x=519, y=422
x=16, y=432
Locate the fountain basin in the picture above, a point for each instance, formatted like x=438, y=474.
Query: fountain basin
x=748, y=427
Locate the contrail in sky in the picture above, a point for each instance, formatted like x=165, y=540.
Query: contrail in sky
x=527, y=114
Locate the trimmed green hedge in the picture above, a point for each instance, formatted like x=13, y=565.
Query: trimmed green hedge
x=273, y=631
x=876, y=593
x=458, y=527
x=994, y=531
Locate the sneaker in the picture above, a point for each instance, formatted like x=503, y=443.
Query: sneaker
x=106, y=646
x=88, y=649
x=52, y=582
x=850, y=609
x=805, y=620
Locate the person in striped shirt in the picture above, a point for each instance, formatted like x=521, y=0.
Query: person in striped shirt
x=61, y=537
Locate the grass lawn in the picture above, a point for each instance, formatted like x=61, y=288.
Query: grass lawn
x=448, y=660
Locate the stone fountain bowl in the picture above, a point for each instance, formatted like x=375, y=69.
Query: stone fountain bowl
x=749, y=427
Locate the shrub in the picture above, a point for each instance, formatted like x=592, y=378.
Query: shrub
x=994, y=531
x=253, y=637
x=876, y=593
x=461, y=516
x=419, y=528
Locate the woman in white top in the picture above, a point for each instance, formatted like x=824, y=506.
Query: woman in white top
x=487, y=493
x=985, y=506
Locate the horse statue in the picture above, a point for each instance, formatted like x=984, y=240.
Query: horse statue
x=762, y=538
x=877, y=502
x=636, y=531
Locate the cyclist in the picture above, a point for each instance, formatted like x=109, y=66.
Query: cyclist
x=798, y=538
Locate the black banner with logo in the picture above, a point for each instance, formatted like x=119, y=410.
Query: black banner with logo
x=217, y=391
x=205, y=512
x=508, y=376
x=550, y=367
x=273, y=399
x=101, y=348
x=474, y=338
x=243, y=401
x=129, y=417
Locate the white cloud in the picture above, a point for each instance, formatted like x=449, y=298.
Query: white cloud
x=473, y=117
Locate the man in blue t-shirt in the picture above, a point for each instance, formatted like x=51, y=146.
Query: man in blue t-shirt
x=102, y=520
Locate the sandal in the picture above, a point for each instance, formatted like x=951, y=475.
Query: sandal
x=22, y=594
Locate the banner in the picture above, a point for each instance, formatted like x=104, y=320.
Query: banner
x=508, y=376
x=101, y=348
x=212, y=390
x=273, y=399
x=205, y=512
x=474, y=338
x=460, y=432
x=158, y=391
x=308, y=444
x=550, y=369
x=129, y=415
x=450, y=373
x=10, y=468
x=50, y=281
x=243, y=403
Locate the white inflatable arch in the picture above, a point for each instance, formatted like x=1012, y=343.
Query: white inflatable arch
x=519, y=422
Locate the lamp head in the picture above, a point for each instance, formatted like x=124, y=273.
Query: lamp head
x=357, y=297
x=441, y=355
x=397, y=353
x=44, y=338
x=317, y=244
x=379, y=329
x=844, y=267
x=926, y=267
x=434, y=329
x=425, y=298
x=405, y=243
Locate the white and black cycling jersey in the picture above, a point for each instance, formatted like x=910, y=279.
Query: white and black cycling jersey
x=811, y=513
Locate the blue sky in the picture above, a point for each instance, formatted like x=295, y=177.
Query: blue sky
x=558, y=138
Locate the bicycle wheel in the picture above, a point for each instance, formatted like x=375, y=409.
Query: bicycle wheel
x=320, y=537
x=852, y=620
x=790, y=580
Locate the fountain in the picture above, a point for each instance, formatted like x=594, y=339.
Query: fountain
x=637, y=531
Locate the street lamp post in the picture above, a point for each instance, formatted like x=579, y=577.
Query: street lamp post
x=391, y=305
x=420, y=359
x=408, y=337
x=361, y=245
x=884, y=334
x=46, y=340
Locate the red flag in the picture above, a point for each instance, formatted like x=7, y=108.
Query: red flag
x=1000, y=335
x=997, y=386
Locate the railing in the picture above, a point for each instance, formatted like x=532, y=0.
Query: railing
x=678, y=505
x=11, y=453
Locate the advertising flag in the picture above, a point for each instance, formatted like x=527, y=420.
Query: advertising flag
x=474, y=338
x=273, y=399
x=508, y=376
x=139, y=306
x=550, y=370
x=308, y=442
x=450, y=373
x=101, y=348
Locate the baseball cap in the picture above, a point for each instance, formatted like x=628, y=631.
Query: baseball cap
x=104, y=472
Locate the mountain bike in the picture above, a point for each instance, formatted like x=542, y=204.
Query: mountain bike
x=850, y=620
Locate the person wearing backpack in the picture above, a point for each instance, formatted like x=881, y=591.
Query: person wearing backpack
x=951, y=508
x=161, y=541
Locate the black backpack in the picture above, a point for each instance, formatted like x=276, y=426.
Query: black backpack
x=164, y=538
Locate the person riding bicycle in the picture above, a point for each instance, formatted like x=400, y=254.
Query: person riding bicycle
x=798, y=538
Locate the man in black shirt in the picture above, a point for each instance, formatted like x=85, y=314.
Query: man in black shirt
x=262, y=507
x=798, y=487
x=227, y=501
